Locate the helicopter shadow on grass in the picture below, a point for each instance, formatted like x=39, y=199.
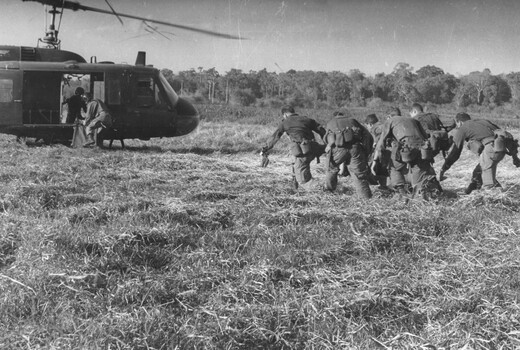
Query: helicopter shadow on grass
x=35, y=142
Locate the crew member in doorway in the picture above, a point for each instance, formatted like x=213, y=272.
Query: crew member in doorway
x=97, y=117
x=75, y=104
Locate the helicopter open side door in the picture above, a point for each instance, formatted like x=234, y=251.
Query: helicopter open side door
x=10, y=97
x=41, y=97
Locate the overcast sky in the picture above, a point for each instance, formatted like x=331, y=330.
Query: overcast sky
x=320, y=35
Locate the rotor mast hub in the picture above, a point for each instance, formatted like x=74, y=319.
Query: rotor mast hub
x=51, y=35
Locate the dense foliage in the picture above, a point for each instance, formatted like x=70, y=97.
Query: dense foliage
x=309, y=89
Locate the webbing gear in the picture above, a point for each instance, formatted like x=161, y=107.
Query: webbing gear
x=343, y=137
x=301, y=149
x=503, y=141
x=410, y=149
x=427, y=151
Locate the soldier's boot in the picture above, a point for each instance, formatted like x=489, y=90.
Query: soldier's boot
x=430, y=189
x=471, y=187
x=90, y=141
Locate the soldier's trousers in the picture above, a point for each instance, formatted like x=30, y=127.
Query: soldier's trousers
x=103, y=119
x=485, y=173
x=383, y=167
x=302, y=165
x=420, y=171
x=357, y=163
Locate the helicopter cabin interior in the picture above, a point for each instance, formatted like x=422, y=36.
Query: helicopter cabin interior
x=140, y=99
x=44, y=94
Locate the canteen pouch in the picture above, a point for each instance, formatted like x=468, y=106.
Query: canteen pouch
x=475, y=147
x=409, y=154
x=330, y=138
x=339, y=140
x=344, y=137
x=411, y=150
x=395, y=154
x=427, y=151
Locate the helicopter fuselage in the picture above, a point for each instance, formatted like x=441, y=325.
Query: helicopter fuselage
x=35, y=83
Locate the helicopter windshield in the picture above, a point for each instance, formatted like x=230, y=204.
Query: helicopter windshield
x=170, y=93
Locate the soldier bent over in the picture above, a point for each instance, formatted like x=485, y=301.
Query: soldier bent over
x=439, y=139
x=350, y=142
x=481, y=137
x=97, y=117
x=375, y=127
x=303, y=146
x=408, y=139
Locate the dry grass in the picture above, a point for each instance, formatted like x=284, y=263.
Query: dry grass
x=189, y=243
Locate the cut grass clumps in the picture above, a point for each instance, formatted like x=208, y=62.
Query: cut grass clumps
x=9, y=243
x=157, y=247
x=51, y=197
x=208, y=220
x=89, y=215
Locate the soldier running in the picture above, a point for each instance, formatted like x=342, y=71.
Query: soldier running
x=303, y=146
x=348, y=142
x=482, y=140
x=408, y=139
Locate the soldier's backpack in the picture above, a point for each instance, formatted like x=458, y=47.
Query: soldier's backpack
x=440, y=141
x=504, y=142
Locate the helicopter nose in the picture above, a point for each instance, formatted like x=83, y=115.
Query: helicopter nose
x=187, y=117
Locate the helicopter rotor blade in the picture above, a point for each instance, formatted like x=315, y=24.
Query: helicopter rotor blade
x=154, y=30
x=114, y=12
x=75, y=6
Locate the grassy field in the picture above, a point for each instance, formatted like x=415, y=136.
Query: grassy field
x=188, y=243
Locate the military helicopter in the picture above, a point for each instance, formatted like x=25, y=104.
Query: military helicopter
x=35, y=82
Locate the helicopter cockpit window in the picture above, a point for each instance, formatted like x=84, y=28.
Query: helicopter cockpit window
x=145, y=92
x=6, y=90
x=149, y=93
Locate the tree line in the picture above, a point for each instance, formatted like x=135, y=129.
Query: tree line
x=309, y=89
